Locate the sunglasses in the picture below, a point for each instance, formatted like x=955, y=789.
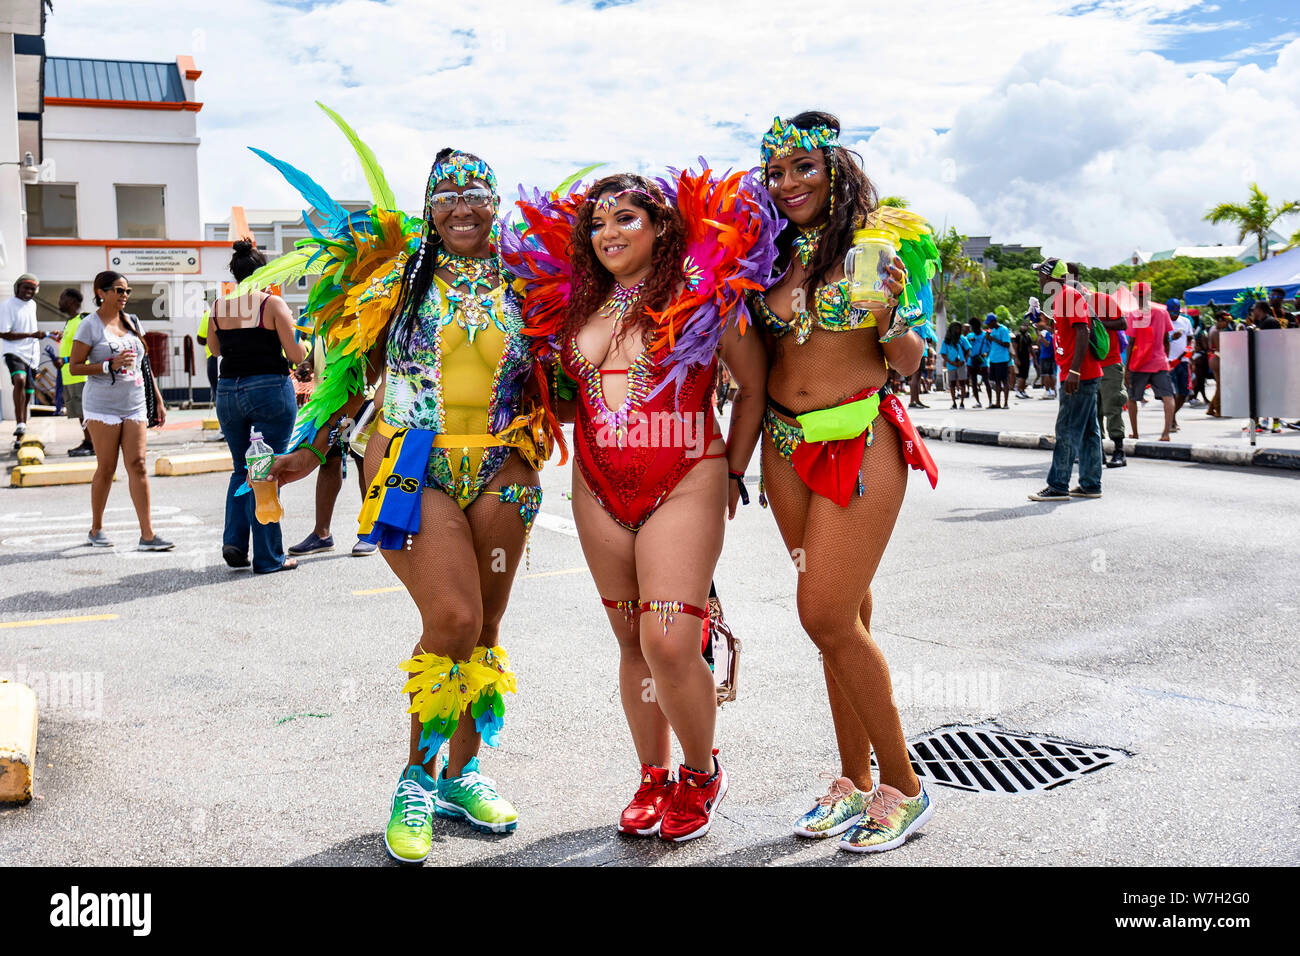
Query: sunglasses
x=478, y=197
x=118, y=291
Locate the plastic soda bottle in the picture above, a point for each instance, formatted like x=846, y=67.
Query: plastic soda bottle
x=266, y=491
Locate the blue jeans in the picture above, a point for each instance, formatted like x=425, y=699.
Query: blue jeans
x=267, y=403
x=1078, y=435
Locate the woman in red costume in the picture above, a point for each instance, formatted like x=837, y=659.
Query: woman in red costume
x=836, y=499
x=644, y=284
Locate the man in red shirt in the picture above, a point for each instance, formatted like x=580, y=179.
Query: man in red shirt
x=1149, y=327
x=1078, y=433
x=1111, y=397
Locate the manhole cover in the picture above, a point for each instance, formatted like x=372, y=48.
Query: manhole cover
x=989, y=759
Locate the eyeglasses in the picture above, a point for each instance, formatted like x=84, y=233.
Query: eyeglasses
x=446, y=200
x=120, y=291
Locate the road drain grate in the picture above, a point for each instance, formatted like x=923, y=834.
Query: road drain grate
x=989, y=759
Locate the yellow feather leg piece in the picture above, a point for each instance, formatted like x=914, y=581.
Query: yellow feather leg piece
x=443, y=687
x=497, y=662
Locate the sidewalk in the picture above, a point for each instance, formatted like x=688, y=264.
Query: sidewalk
x=1032, y=424
x=184, y=429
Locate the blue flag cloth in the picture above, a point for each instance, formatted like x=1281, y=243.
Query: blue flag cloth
x=396, y=490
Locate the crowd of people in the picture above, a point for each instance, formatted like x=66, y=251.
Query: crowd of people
x=101, y=361
x=467, y=347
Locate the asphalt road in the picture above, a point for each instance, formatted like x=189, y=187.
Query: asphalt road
x=222, y=718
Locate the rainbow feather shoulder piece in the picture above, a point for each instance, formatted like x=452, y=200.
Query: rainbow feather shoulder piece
x=360, y=258
x=731, y=228
x=537, y=253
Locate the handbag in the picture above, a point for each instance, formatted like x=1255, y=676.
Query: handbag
x=146, y=373
x=722, y=651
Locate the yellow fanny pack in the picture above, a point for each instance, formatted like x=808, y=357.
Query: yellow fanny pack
x=840, y=422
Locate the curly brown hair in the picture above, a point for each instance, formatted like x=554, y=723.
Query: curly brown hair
x=853, y=198
x=592, y=282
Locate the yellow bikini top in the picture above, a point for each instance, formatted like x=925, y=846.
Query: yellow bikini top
x=832, y=311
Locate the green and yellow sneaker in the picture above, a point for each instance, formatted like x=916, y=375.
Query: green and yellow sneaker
x=409, y=837
x=890, y=818
x=473, y=798
x=834, y=813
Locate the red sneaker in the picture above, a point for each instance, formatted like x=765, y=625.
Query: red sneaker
x=646, y=811
x=697, y=796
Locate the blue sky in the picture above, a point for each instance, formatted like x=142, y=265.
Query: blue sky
x=1092, y=128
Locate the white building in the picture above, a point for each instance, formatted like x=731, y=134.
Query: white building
x=122, y=140
x=275, y=231
x=22, y=55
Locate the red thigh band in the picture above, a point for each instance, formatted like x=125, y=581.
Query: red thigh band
x=666, y=611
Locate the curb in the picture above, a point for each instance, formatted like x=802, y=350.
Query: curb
x=194, y=464
x=1162, y=451
x=62, y=473
x=17, y=742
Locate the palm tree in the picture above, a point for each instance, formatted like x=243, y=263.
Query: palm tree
x=1254, y=217
x=953, y=267
x=898, y=202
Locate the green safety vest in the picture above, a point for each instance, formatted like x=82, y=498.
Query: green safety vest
x=203, y=334
x=65, y=350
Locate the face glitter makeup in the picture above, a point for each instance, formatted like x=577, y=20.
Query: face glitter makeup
x=609, y=201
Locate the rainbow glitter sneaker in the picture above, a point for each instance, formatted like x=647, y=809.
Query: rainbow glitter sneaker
x=890, y=818
x=409, y=837
x=834, y=813
x=473, y=798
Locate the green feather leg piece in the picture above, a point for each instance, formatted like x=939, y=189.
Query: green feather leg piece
x=488, y=700
x=379, y=188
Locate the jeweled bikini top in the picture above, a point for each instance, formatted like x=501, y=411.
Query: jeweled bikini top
x=832, y=311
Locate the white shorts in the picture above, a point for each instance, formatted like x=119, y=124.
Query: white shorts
x=107, y=419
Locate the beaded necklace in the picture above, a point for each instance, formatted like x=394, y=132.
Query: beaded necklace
x=805, y=244
x=471, y=309
x=619, y=303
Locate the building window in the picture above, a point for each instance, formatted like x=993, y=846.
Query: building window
x=302, y=282
x=52, y=210
x=140, y=212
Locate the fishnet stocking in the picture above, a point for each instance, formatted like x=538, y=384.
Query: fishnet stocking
x=458, y=572
x=840, y=549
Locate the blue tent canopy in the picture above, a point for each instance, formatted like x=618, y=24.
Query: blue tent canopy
x=1278, y=272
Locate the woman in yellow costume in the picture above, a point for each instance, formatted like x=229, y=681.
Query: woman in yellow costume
x=452, y=463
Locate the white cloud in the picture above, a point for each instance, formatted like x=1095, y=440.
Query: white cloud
x=1064, y=129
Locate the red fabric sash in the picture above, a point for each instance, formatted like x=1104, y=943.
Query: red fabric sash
x=831, y=468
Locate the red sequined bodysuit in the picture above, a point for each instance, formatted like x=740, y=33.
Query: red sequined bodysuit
x=634, y=455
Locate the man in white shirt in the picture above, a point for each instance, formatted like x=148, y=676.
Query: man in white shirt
x=1179, y=366
x=22, y=354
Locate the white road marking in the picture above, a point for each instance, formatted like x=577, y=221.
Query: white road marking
x=20, y=519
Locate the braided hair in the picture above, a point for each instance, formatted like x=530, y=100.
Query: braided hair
x=853, y=197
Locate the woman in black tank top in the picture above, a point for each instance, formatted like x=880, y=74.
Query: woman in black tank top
x=254, y=337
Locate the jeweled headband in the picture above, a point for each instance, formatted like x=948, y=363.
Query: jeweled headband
x=608, y=201
x=783, y=139
x=460, y=169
